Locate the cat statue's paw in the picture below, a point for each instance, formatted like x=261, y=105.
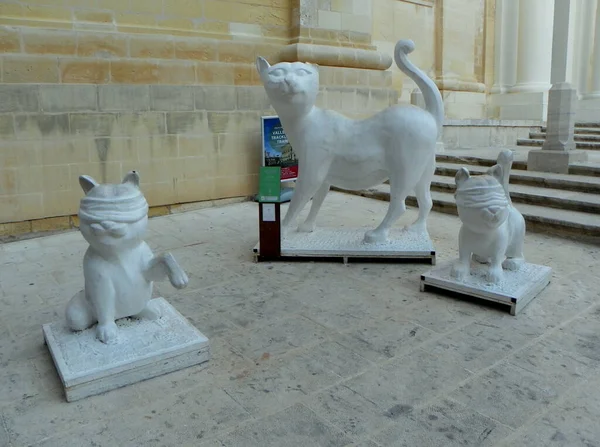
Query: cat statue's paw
x=459, y=271
x=107, y=333
x=376, y=237
x=512, y=264
x=179, y=279
x=494, y=275
x=306, y=227
x=480, y=259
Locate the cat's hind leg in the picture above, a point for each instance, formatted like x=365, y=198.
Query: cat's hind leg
x=309, y=224
x=150, y=312
x=423, y=194
x=79, y=313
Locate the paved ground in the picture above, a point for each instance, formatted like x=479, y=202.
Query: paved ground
x=315, y=354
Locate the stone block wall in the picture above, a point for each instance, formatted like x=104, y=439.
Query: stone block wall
x=92, y=87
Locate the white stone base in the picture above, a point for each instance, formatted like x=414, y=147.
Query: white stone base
x=144, y=349
x=348, y=243
x=516, y=290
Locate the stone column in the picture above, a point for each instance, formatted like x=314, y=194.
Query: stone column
x=559, y=147
x=505, y=48
x=534, y=49
x=595, y=78
x=585, y=39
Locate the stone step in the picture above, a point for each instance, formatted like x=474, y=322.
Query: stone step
x=535, y=195
x=581, y=225
x=583, y=124
x=567, y=182
x=585, y=169
x=540, y=143
x=581, y=130
x=578, y=137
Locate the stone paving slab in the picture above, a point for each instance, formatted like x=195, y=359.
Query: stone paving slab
x=315, y=353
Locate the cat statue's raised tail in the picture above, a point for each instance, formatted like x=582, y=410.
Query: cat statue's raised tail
x=397, y=143
x=118, y=267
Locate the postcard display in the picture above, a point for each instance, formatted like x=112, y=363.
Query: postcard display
x=113, y=333
x=398, y=144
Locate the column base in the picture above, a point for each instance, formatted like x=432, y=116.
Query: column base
x=588, y=110
x=554, y=160
x=519, y=106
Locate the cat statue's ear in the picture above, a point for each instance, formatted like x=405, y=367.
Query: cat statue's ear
x=461, y=176
x=87, y=183
x=262, y=65
x=496, y=172
x=132, y=177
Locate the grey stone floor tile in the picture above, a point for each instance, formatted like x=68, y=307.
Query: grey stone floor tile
x=441, y=314
x=184, y=419
x=585, y=400
x=442, y=424
x=510, y=394
x=408, y=381
x=559, y=428
x=383, y=339
x=278, y=337
x=350, y=411
x=297, y=426
x=559, y=367
x=26, y=322
x=580, y=336
x=480, y=344
x=278, y=381
x=263, y=310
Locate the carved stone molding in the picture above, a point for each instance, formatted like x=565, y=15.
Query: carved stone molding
x=335, y=56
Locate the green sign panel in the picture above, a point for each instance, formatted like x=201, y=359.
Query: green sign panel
x=269, y=184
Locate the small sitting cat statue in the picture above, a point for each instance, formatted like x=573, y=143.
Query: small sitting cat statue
x=118, y=267
x=492, y=229
x=397, y=143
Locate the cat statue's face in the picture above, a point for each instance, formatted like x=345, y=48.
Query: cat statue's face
x=113, y=217
x=481, y=201
x=292, y=85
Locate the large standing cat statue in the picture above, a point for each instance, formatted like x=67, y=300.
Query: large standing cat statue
x=397, y=143
x=118, y=267
x=492, y=229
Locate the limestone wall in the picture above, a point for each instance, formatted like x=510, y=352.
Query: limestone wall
x=165, y=87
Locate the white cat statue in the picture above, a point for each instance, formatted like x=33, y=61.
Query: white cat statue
x=118, y=267
x=492, y=229
x=397, y=143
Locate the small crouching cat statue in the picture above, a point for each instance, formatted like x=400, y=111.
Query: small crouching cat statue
x=492, y=229
x=118, y=267
x=397, y=143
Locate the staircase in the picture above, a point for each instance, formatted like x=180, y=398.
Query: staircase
x=587, y=136
x=564, y=204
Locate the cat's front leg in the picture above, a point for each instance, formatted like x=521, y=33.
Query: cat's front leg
x=462, y=267
x=166, y=265
x=495, y=274
x=308, y=225
x=101, y=293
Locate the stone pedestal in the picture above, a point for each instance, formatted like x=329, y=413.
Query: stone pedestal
x=554, y=161
x=559, y=148
x=562, y=104
x=144, y=349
